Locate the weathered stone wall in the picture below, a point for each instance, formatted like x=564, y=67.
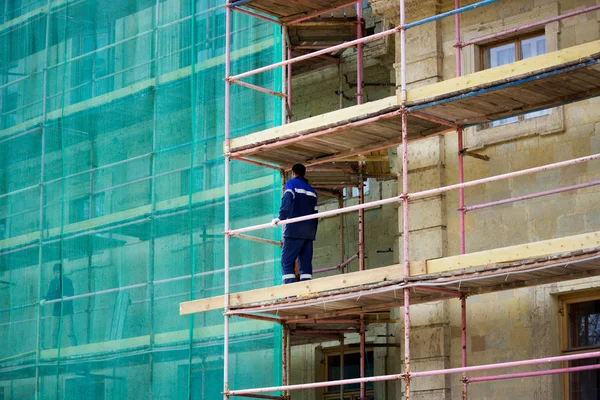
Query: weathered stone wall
x=511, y=325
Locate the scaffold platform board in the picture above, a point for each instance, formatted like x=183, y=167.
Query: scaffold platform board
x=381, y=289
x=289, y=10
x=333, y=28
x=537, y=83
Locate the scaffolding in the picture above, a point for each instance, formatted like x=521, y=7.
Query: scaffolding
x=419, y=112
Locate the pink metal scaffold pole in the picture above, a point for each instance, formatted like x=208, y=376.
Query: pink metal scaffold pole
x=424, y=193
x=531, y=196
x=580, y=356
x=405, y=230
x=359, y=55
x=257, y=15
x=330, y=10
x=529, y=26
x=461, y=205
x=361, y=191
x=328, y=50
x=227, y=172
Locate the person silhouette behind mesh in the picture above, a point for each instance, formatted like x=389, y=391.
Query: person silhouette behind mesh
x=61, y=288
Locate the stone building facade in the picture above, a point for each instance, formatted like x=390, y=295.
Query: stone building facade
x=511, y=325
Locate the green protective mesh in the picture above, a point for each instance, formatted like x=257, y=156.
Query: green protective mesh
x=111, y=142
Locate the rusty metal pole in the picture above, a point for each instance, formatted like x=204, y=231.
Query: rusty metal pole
x=342, y=365
x=340, y=85
x=405, y=241
x=463, y=340
x=361, y=219
x=289, y=84
x=284, y=357
x=359, y=55
x=361, y=266
x=342, y=233
x=289, y=358
x=362, y=357
x=461, y=207
x=284, y=54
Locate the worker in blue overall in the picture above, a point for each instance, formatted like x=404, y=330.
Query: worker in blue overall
x=299, y=199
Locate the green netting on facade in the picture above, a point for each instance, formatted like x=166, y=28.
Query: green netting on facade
x=111, y=133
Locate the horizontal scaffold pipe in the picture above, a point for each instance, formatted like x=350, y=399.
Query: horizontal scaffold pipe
x=450, y=13
x=531, y=196
x=356, y=42
x=448, y=371
x=419, y=195
x=144, y=284
x=529, y=26
x=533, y=373
x=257, y=15
x=323, y=12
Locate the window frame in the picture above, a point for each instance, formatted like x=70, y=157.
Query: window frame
x=516, y=40
x=336, y=351
x=482, y=136
x=565, y=301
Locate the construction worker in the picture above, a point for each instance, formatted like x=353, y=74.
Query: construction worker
x=61, y=286
x=299, y=199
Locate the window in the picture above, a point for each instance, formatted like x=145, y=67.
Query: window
x=206, y=380
x=581, y=332
x=79, y=208
x=351, y=370
x=354, y=192
x=94, y=386
x=508, y=52
x=89, y=77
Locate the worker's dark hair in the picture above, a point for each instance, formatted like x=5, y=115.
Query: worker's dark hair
x=299, y=170
x=57, y=267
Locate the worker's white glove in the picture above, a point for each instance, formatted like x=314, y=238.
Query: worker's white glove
x=42, y=302
x=275, y=222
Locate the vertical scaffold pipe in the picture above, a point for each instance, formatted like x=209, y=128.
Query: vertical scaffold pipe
x=289, y=85
x=340, y=86
x=38, y=345
x=288, y=349
x=284, y=357
x=461, y=205
x=361, y=259
x=461, y=191
x=463, y=342
x=405, y=200
x=361, y=219
x=226, y=197
x=359, y=55
x=405, y=241
x=284, y=69
x=342, y=233
x=342, y=365
x=362, y=357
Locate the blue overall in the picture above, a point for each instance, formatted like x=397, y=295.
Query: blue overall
x=299, y=199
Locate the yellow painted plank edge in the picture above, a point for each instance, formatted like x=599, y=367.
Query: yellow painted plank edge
x=238, y=328
x=36, y=12
x=516, y=253
x=294, y=289
x=503, y=72
x=137, y=87
x=482, y=258
x=313, y=123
